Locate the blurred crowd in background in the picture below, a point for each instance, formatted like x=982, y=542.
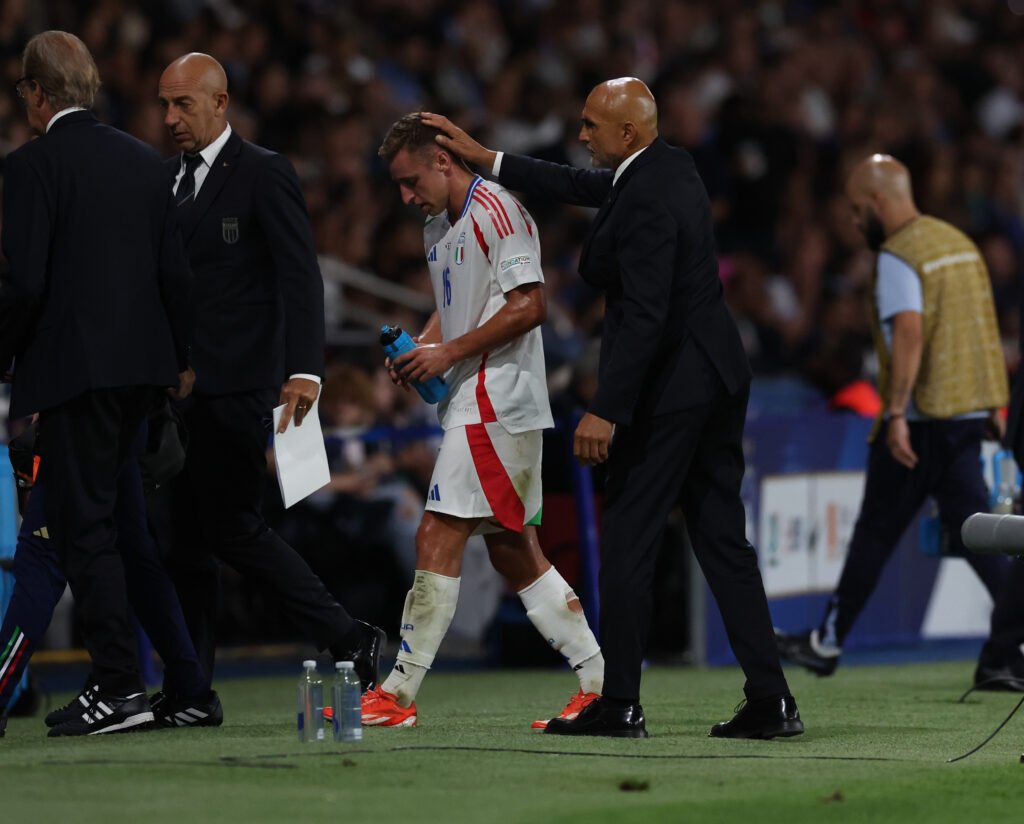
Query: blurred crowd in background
x=774, y=98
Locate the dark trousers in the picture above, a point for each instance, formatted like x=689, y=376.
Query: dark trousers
x=83, y=445
x=217, y=504
x=40, y=580
x=948, y=469
x=1005, y=644
x=693, y=458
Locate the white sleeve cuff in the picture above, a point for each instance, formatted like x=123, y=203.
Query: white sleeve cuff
x=314, y=378
x=496, y=168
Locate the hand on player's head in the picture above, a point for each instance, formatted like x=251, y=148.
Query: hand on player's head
x=456, y=140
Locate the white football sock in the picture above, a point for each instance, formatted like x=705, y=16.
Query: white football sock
x=547, y=606
x=429, y=608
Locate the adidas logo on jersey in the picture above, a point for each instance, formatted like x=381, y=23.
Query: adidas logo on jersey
x=432, y=257
x=435, y=494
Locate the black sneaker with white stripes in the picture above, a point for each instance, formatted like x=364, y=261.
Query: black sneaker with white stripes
x=178, y=711
x=108, y=713
x=74, y=708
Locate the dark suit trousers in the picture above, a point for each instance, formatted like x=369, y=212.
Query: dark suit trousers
x=949, y=469
x=1006, y=639
x=83, y=445
x=217, y=505
x=693, y=458
x=40, y=580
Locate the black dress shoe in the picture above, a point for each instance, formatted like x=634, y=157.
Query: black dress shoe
x=763, y=718
x=600, y=717
x=798, y=649
x=999, y=679
x=365, y=653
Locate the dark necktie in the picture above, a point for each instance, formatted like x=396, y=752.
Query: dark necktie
x=187, y=185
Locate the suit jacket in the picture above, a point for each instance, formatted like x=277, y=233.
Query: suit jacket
x=258, y=293
x=651, y=249
x=97, y=293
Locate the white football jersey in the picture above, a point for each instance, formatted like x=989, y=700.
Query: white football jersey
x=490, y=249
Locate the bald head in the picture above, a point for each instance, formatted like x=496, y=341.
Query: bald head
x=882, y=174
x=882, y=197
x=620, y=117
x=194, y=96
x=199, y=70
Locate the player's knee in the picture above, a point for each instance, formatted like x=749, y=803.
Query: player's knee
x=433, y=553
x=518, y=565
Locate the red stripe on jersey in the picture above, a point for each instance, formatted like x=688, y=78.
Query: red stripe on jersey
x=480, y=239
x=505, y=502
x=526, y=217
x=499, y=227
x=498, y=205
x=483, y=400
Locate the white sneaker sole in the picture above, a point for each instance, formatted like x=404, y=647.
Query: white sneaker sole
x=383, y=722
x=127, y=724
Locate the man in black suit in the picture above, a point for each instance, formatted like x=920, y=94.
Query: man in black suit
x=259, y=340
x=673, y=385
x=95, y=314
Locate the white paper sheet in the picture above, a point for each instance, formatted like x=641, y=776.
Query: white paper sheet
x=300, y=457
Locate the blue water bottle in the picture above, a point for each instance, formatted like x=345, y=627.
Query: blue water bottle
x=395, y=343
x=1005, y=489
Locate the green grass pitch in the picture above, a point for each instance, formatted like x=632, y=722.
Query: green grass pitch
x=875, y=750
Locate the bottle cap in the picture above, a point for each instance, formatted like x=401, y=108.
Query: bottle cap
x=310, y=664
x=344, y=665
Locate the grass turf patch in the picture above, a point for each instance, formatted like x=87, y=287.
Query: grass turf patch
x=875, y=750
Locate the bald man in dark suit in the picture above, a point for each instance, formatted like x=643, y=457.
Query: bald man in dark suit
x=673, y=384
x=259, y=342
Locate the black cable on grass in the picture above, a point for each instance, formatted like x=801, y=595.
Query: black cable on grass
x=655, y=756
x=253, y=761
x=638, y=756
x=988, y=682
x=995, y=732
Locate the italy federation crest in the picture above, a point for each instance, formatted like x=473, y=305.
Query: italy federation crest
x=460, y=250
x=229, y=229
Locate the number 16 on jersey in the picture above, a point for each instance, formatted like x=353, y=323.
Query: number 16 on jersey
x=446, y=276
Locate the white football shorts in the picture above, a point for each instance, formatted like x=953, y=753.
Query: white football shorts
x=483, y=471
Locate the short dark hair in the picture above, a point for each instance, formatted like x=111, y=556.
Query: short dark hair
x=408, y=132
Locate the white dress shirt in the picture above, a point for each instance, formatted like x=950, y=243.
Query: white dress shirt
x=61, y=114
x=208, y=155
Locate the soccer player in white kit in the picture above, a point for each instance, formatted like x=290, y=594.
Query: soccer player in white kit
x=484, y=339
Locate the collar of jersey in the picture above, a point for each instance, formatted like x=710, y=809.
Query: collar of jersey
x=469, y=195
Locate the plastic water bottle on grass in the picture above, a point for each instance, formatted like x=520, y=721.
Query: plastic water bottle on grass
x=310, y=716
x=346, y=703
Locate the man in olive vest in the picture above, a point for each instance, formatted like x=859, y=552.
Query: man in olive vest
x=942, y=380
